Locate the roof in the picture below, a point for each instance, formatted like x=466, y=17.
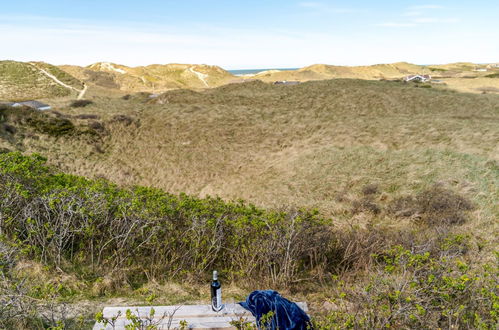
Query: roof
x=417, y=76
x=33, y=104
x=286, y=82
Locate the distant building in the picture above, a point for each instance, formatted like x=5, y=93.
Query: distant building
x=33, y=104
x=285, y=82
x=418, y=78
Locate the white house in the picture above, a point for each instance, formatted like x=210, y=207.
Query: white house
x=418, y=78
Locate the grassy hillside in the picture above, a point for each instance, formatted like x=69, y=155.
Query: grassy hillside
x=394, y=187
x=152, y=78
x=462, y=77
x=24, y=81
x=323, y=71
x=261, y=142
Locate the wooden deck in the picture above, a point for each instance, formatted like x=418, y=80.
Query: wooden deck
x=173, y=317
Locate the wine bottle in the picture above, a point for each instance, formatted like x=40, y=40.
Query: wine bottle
x=216, y=293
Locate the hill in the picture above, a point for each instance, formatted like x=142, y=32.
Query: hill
x=464, y=77
x=323, y=71
x=282, y=145
x=151, y=78
x=22, y=81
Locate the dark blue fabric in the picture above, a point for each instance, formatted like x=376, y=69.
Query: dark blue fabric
x=287, y=315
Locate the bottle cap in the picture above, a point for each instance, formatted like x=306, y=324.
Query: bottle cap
x=215, y=275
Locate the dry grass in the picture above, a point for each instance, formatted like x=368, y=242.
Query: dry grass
x=474, y=85
x=293, y=145
x=24, y=81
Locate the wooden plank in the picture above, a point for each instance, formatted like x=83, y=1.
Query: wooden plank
x=169, y=317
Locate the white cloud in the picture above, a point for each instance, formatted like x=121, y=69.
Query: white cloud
x=435, y=20
x=320, y=7
x=394, y=24
x=426, y=7
x=310, y=4
x=412, y=13
x=414, y=16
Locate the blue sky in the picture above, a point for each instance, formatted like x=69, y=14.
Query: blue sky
x=249, y=34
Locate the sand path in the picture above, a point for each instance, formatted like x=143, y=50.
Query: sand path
x=200, y=75
x=81, y=93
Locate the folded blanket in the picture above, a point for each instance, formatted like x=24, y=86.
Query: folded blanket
x=272, y=311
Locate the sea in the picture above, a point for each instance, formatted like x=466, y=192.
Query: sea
x=255, y=71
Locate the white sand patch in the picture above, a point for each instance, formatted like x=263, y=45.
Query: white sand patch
x=110, y=67
x=200, y=75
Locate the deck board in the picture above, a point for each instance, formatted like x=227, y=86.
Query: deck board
x=169, y=317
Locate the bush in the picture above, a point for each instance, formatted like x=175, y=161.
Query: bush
x=143, y=233
x=437, y=70
x=493, y=75
x=433, y=206
x=486, y=90
x=41, y=122
x=370, y=189
x=97, y=126
x=126, y=120
x=417, y=291
x=9, y=128
x=80, y=103
x=87, y=116
x=365, y=204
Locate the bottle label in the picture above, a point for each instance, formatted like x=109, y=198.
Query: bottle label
x=217, y=300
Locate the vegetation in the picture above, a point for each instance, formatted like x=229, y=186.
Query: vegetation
x=437, y=69
x=420, y=291
x=30, y=123
x=93, y=229
x=24, y=81
x=99, y=228
x=80, y=103
x=152, y=78
x=373, y=201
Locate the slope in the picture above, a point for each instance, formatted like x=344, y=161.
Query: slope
x=289, y=145
x=21, y=81
x=152, y=78
x=323, y=71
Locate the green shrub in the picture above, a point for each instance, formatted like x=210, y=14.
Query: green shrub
x=434, y=206
x=142, y=233
x=493, y=75
x=52, y=126
x=417, y=291
x=80, y=103
x=437, y=70
x=40, y=122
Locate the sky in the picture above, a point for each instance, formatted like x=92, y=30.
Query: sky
x=249, y=34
